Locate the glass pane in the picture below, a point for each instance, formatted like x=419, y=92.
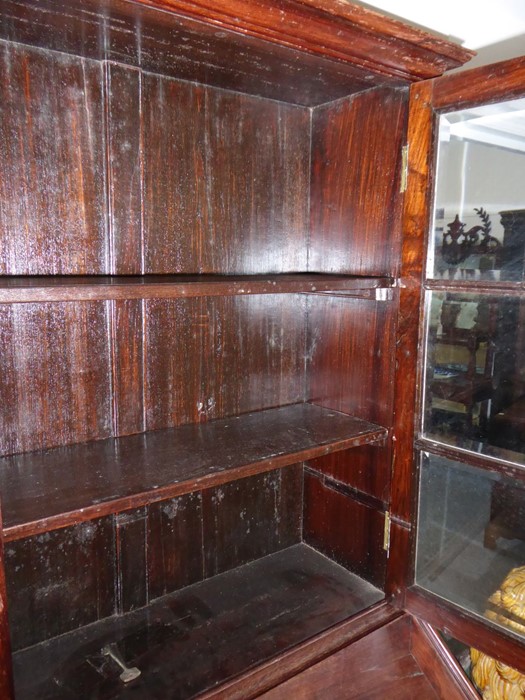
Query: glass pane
x=471, y=540
x=479, y=214
x=475, y=376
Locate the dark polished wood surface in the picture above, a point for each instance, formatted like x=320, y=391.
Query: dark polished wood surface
x=245, y=616
x=268, y=674
x=493, y=83
x=59, y=487
x=301, y=52
x=355, y=199
x=466, y=627
x=145, y=553
x=439, y=664
x=168, y=137
x=73, y=288
x=378, y=666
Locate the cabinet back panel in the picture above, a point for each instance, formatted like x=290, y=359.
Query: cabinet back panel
x=226, y=181
x=113, y=171
x=214, y=357
x=52, y=158
x=62, y=580
x=356, y=169
x=55, y=385
x=124, y=164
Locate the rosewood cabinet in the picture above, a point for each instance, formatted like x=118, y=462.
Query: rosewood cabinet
x=211, y=254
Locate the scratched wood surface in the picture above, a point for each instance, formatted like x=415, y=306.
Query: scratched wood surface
x=355, y=198
x=52, y=156
x=303, y=53
x=55, y=488
x=226, y=181
x=246, y=615
x=145, y=553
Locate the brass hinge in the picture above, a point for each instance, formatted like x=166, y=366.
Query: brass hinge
x=404, y=168
x=386, y=532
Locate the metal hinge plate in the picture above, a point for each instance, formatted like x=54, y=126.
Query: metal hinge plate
x=386, y=532
x=404, y=168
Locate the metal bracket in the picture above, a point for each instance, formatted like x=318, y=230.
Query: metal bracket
x=128, y=673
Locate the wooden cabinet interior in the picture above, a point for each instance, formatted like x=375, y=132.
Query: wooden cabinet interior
x=200, y=232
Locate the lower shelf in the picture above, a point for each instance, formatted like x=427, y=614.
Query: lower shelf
x=195, y=639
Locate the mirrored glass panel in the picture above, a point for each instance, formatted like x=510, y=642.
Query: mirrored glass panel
x=471, y=540
x=475, y=373
x=479, y=212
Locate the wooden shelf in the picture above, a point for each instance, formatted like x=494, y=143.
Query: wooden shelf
x=34, y=289
x=245, y=616
x=46, y=490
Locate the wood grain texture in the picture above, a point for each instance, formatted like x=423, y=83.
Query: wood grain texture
x=52, y=141
x=378, y=666
x=493, y=83
x=160, y=42
x=269, y=674
x=296, y=51
x=415, y=217
x=53, y=585
x=55, y=387
x=128, y=366
x=365, y=469
x=42, y=490
x=344, y=529
x=124, y=168
x=351, y=343
x=199, y=637
x=225, y=181
x=439, y=664
x=208, y=358
x=356, y=169
x=6, y=667
x=251, y=518
x=175, y=544
x=18, y=290
x=465, y=627
x=387, y=46
x=131, y=551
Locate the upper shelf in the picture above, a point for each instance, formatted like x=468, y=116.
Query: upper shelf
x=34, y=289
x=46, y=490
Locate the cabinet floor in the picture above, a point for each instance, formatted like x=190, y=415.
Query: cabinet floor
x=197, y=638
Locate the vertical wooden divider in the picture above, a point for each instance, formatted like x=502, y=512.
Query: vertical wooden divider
x=415, y=224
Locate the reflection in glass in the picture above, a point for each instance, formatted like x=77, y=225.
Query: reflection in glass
x=475, y=377
x=479, y=214
x=471, y=540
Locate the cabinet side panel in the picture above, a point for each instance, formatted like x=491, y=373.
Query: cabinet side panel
x=356, y=169
x=351, y=363
x=344, y=529
x=60, y=580
x=56, y=383
x=226, y=181
x=363, y=468
x=215, y=357
x=52, y=158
